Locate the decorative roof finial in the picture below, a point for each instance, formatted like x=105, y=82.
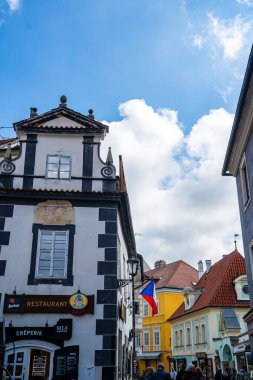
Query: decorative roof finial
x=235, y=241
x=63, y=100
x=109, y=159
x=91, y=114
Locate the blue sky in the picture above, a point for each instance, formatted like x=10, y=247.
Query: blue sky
x=175, y=60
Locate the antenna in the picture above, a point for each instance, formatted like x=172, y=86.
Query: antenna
x=235, y=241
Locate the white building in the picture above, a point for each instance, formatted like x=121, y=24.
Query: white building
x=66, y=230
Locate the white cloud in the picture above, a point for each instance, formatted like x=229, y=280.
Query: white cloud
x=198, y=41
x=229, y=35
x=248, y=3
x=181, y=205
x=14, y=5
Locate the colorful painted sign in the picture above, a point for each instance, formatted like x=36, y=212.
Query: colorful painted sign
x=77, y=304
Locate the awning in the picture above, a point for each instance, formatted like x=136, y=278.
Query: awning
x=148, y=355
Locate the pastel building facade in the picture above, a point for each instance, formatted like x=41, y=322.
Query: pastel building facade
x=155, y=337
x=209, y=322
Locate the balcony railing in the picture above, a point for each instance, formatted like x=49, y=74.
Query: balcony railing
x=157, y=347
x=146, y=348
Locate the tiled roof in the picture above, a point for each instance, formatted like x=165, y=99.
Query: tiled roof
x=7, y=141
x=178, y=274
x=59, y=191
x=217, y=285
x=79, y=121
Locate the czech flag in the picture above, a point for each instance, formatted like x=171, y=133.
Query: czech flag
x=150, y=296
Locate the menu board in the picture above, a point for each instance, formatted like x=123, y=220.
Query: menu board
x=39, y=366
x=66, y=363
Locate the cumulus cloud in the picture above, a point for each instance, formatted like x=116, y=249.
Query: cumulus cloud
x=248, y=3
x=14, y=5
x=181, y=206
x=197, y=41
x=230, y=35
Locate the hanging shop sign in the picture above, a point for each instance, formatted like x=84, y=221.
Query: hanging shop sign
x=56, y=334
x=66, y=363
x=201, y=355
x=77, y=304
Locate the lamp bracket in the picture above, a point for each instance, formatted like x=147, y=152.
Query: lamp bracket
x=122, y=283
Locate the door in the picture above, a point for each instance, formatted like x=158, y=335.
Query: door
x=16, y=364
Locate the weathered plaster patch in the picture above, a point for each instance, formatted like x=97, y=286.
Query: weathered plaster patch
x=54, y=212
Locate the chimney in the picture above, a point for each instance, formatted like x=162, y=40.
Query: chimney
x=33, y=111
x=200, y=268
x=160, y=263
x=208, y=265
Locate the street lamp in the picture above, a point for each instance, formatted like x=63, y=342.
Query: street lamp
x=132, y=263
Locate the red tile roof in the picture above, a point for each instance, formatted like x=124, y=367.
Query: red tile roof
x=178, y=274
x=217, y=285
x=6, y=141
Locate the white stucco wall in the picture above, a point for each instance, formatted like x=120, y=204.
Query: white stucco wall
x=86, y=255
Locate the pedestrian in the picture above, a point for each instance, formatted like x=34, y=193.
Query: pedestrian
x=160, y=374
x=181, y=372
x=142, y=376
x=218, y=375
x=226, y=374
x=189, y=373
x=199, y=373
x=149, y=373
x=173, y=374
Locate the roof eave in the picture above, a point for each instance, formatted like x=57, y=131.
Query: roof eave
x=239, y=109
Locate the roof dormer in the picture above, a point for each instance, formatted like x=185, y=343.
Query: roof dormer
x=190, y=297
x=241, y=288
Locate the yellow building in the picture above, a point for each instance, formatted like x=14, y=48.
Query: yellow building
x=154, y=341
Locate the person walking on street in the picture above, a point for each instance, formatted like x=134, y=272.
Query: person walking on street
x=190, y=373
x=149, y=373
x=180, y=373
x=199, y=373
x=173, y=374
x=160, y=374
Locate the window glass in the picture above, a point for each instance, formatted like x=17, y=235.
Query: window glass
x=156, y=338
x=203, y=333
x=146, y=338
x=145, y=309
x=245, y=182
x=52, y=255
x=197, y=334
x=58, y=167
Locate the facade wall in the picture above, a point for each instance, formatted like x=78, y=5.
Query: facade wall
x=246, y=214
x=169, y=301
x=215, y=340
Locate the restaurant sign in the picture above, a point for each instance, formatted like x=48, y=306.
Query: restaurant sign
x=54, y=334
x=76, y=304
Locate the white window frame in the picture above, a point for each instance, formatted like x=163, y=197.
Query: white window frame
x=146, y=340
x=176, y=338
x=197, y=334
x=52, y=275
x=138, y=340
x=145, y=309
x=245, y=182
x=188, y=335
x=180, y=337
x=158, y=310
x=59, y=156
x=156, y=342
x=203, y=332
